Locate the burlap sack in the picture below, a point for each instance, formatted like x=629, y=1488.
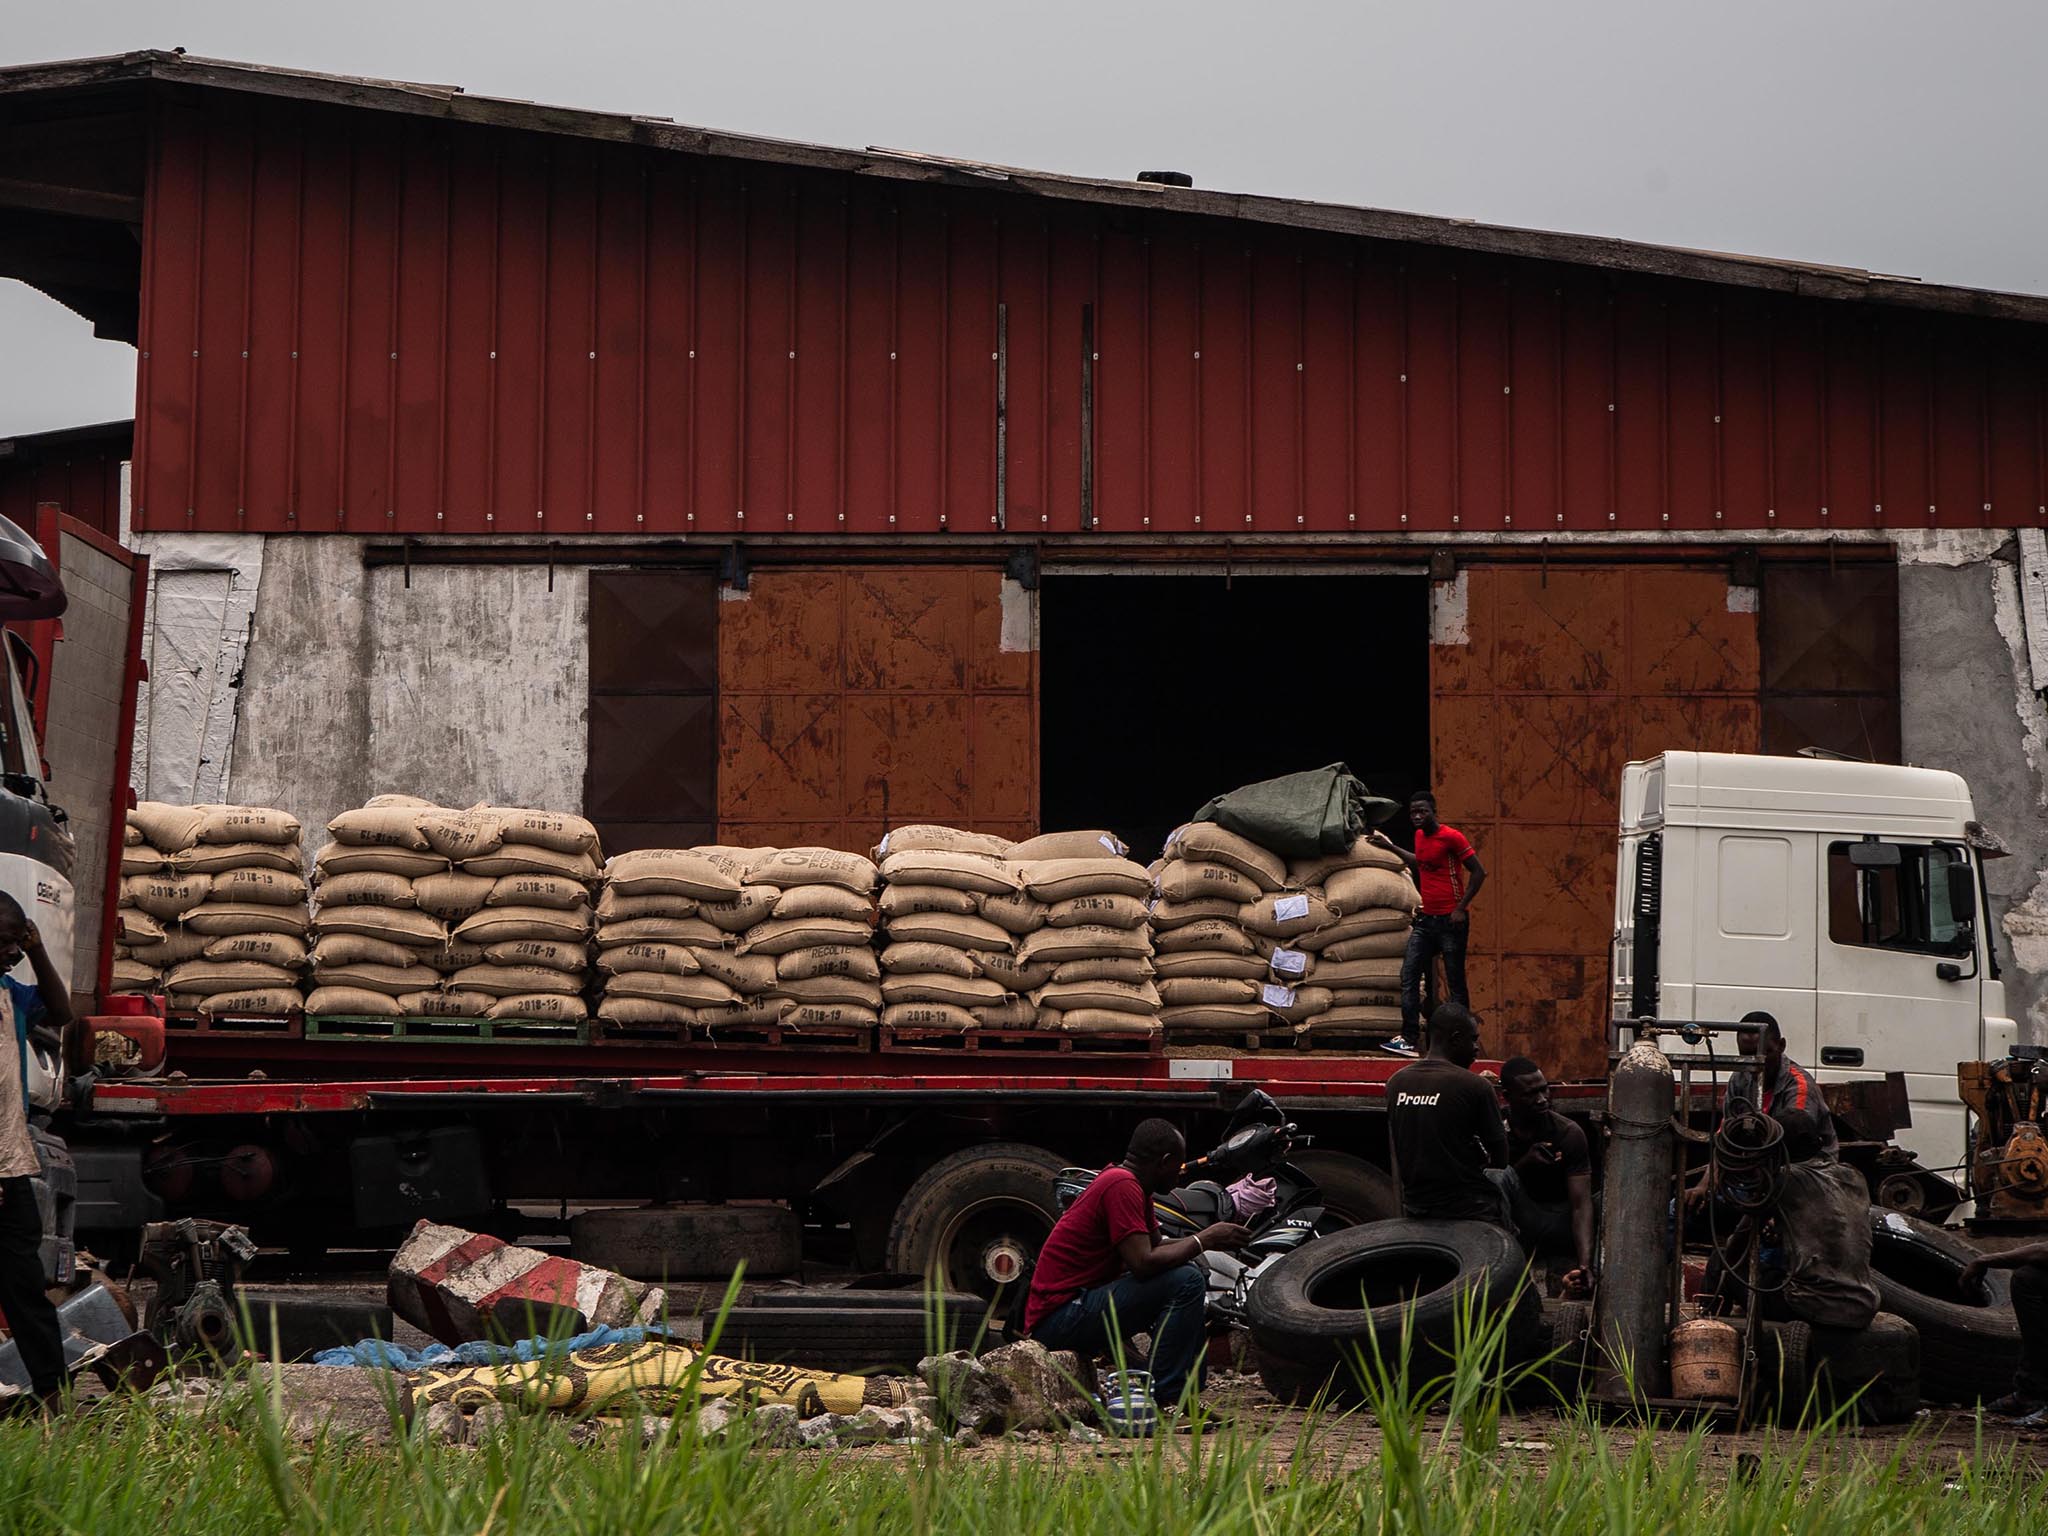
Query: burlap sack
x=132, y=925
x=959, y=871
x=1167, y=915
x=451, y=896
x=946, y=928
x=538, y=891
x=1094, y=843
x=750, y=1012
x=1108, y=968
x=203, y=978
x=612, y=907
x=131, y=837
x=778, y=936
x=219, y=919
x=1210, y=934
x=556, y=830
x=1100, y=1021
x=1053, y=945
x=499, y=925
x=178, y=946
x=1182, y=881
x=462, y=835
x=1018, y=914
x=352, y=1002
x=1116, y=996
x=1356, y=890
x=368, y=890
x=212, y=858
x=361, y=949
x=515, y=980
x=1204, y=842
x=827, y=1016
x=386, y=801
x=381, y=826
x=1289, y=964
x=926, y=838
x=643, y=1010
x=260, y=887
x=929, y=1016
x=391, y=980
x=285, y=950
x=904, y=900
x=1111, y=911
x=528, y=859
x=961, y=992
x=262, y=1000
x=167, y=828
x=1365, y=997
x=913, y=959
x=1351, y=973
x=693, y=931
x=145, y=860
x=1204, y=962
x=1371, y=946
x=243, y=824
x=747, y=974
x=446, y=1005
x=1217, y=1016
x=1380, y=1018
x=539, y=1008
x=394, y=925
x=670, y=872
x=754, y=905
x=553, y=954
x=829, y=989
x=1188, y=991
x=1374, y=920
x=1294, y=1005
x=340, y=859
x=1015, y=1012
x=1287, y=914
x=666, y=959
x=735, y=862
x=814, y=866
x=1056, y=880
x=859, y=963
x=1363, y=854
x=453, y=956
x=825, y=901
x=134, y=976
x=699, y=991
x=1008, y=971
x=166, y=896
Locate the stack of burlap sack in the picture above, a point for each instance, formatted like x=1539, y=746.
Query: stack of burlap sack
x=426, y=912
x=983, y=933
x=1247, y=941
x=212, y=910
x=723, y=937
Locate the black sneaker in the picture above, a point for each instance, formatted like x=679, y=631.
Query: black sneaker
x=2016, y=1405
x=1400, y=1046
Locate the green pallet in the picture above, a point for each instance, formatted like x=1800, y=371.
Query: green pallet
x=443, y=1031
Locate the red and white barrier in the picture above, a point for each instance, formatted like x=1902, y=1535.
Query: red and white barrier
x=459, y=1285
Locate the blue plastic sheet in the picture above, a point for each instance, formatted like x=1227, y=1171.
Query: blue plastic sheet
x=380, y=1354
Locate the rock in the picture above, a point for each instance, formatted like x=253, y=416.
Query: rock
x=874, y=1426
x=1081, y=1434
x=969, y=1396
x=319, y=1399
x=716, y=1417
x=489, y=1419
x=822, y=1431
x=967, y=1440
x=1047, y=1388
x=455, y=1284
x=922, y=1415
x=654, y=1429
x=776, y=1426
x=444, y=1422
x=584, y=1432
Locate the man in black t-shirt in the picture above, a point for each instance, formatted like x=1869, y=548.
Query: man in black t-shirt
x=1549, y=1177
x=1444, y=1122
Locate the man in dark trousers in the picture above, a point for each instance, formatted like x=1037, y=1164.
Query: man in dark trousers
x=1445, y=1125
x=1448, y=875
x=2028, y=1399
x=40, y=1006
x=1782, y=1083
x=1549, y=1177
x=1104, y=1272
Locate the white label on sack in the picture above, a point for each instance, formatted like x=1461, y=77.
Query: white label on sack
x=1274, y=995
x=882, y=847
x=1116, y=846
x=1288, y=908
x=1290, y=962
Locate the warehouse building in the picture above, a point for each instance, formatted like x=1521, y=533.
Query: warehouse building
x=723, y=486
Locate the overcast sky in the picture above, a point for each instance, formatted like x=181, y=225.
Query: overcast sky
x=1900, y=138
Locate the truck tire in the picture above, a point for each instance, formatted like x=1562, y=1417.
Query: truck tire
x=1785, y=1365
x=1412, y=1274
x=1878, y=1367
x=973, y=1215
x=1354, y=1191
x=1967, y=1343
x=854, y=1341
x=688, y=1242
x=1570, y=1324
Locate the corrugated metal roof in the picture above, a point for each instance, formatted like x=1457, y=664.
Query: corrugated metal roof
x=452, y=103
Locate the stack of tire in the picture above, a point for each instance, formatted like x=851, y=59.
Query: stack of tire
x=954, y=912
x=667, y=923
x=1094, y=947
x=1225, y=923
x=212, y=909
x=1355, y=953
x=819, y=930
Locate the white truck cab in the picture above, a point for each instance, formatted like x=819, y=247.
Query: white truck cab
x=1843, y=898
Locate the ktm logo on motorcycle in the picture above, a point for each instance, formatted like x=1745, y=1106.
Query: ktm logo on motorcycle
x=1425, y=1100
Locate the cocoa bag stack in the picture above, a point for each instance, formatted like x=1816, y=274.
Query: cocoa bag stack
x=954, y=913
x=668, y=921
x=1356, y=955
x=1225, y=925
x=819, y=931
x=213, y=908
x=1094, y=948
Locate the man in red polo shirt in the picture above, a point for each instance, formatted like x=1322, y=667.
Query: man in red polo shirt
x=1448, y=874
x=1104, y=1272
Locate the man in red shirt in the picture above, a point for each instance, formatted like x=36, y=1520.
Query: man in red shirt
x=1103, y=1270
x=1448, y=874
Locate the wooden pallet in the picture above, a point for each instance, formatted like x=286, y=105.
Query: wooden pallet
x=1017, y=1042
x=444, y=1031
x=785, y=1037
x=1279, y=1037
x=273, y=1026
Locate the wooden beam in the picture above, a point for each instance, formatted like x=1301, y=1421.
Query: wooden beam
x=74, y=202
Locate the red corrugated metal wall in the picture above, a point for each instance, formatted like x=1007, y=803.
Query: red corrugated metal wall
x=361, y=323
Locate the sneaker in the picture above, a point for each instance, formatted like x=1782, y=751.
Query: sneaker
x=2015, y=1405
x=1401, y=1046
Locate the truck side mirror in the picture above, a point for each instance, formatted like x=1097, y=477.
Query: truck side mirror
x=1962, y=891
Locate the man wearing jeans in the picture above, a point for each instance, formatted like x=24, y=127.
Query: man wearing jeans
x=42, y=1005
x=1103, y=1272
x=1448, y=874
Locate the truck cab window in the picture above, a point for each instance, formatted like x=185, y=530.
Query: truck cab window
x=1895, y=906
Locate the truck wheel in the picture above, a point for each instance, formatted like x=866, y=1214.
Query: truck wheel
x=976, y=1217
x=1919, y=1269
x=688, y=1242
x=1354, y=1191
x=853, y=1340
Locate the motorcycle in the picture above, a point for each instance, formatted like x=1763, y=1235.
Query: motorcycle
x=1256, y=1143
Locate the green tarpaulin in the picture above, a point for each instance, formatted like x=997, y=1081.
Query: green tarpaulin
x=1300, y=815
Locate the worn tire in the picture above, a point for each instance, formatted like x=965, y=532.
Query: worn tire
x=1413, y=1274
x=689, y=1242
x=1968, y=1344
x=850, y=1340
x=1354, y=1190
x=1881, y=1363
x=1785, y=1361
x=1009, y=1182
x=1570, y=1324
